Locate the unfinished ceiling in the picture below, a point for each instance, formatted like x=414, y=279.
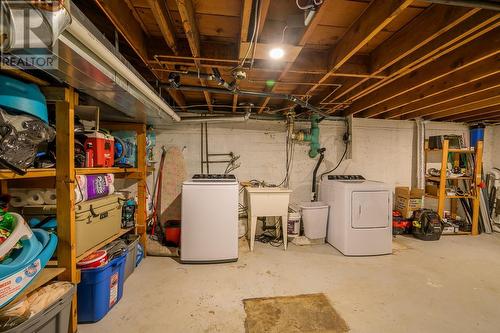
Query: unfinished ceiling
x=378, y=59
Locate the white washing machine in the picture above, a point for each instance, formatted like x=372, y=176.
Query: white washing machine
x=209, y=228
x=360, y=218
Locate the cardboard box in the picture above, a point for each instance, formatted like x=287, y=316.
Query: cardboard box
x=432, y=189
x=407, y=201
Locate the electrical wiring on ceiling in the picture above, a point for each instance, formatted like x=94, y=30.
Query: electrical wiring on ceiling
x=254, y=35
x=314, y=4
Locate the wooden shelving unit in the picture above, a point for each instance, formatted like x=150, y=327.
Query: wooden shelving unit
x=63, y=178
x=442, y=180
x=45, y=276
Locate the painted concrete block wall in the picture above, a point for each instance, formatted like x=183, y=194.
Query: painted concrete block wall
x=382, y=150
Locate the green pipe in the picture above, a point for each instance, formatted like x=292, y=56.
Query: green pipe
x=313, y=137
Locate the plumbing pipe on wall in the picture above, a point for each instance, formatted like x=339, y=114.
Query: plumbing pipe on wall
x=312, y=137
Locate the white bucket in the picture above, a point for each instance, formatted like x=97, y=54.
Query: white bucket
x=315, y=219
x=293, y=225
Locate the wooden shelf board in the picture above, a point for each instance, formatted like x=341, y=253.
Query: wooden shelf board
x=94, y=171
x=437, y=179
x=103, y=243
x=451, y=150
x=41, y=173
x=31, y=173
x=450, y=196
x=46, y=275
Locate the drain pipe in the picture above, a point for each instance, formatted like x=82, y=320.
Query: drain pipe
x=215, y=119
x=315, y=173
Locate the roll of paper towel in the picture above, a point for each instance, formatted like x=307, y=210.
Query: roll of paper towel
x=35, y=197
x=49, y=196
x=19, y=198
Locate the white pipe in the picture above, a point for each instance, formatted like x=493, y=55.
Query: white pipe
x=86, y=38
x=215, y=119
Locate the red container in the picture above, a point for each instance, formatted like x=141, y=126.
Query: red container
x=99, y=150
x=173, y=233
x=96, y=259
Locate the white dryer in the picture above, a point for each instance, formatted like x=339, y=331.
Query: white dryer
x=360, y=218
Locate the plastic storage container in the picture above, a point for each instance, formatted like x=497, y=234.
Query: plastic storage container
x=476, y=134
x=54, y=319
x=100, y=289
x=314, y=218
x=130, y=263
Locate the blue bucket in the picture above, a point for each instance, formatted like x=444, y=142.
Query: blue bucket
x=100, y=289
x=476, y=134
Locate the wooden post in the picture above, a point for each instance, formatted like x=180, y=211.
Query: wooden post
x=454, y=202
x=141, y=184
x=477, y=189
x=442, y=181
x=65, y=183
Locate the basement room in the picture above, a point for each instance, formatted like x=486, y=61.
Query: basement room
x=321, y=166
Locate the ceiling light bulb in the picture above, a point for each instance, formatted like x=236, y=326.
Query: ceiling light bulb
x=276, y=53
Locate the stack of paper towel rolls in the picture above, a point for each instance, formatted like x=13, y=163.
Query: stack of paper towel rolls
x=87, y=188
x=32, y=197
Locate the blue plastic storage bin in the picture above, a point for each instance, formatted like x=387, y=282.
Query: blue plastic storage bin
x=100, y=289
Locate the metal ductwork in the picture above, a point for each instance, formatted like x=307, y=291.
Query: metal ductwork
x=87, y=61
x=48, y=20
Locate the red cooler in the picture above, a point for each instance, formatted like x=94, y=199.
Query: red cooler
x=99, y=150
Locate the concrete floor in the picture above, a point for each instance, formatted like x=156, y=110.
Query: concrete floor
x=448, y=286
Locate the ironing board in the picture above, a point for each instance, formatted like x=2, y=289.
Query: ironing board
x=174, y=174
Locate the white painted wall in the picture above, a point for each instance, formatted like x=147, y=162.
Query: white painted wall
x=382, y=150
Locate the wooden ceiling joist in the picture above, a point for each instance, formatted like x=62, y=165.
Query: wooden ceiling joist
x=160, y=12
x=436, y=39
x=187, y=13
x=263, y=11
x=455, y=80
x=302, y=42
x=435, y=61
x=487, y=102
x=475, y=114
x=434, y=21
x=375, y=18
x=458, y=93
x=473, y=27
x=125, y=22
x=454, y=61
x=461, y=97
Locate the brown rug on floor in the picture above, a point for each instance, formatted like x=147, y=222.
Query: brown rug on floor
x=302, y=313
